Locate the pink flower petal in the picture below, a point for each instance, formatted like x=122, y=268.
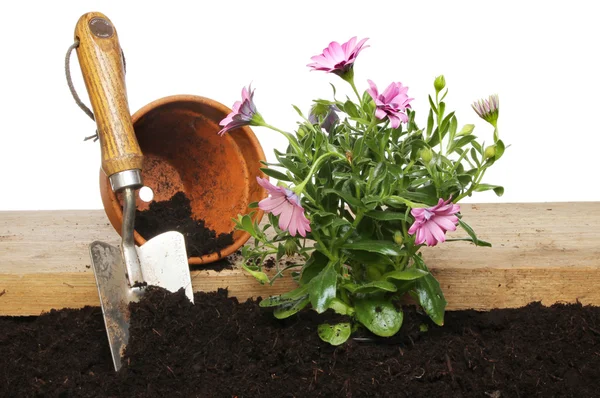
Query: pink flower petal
x=271, y=203
x=444, y=222
x=394, y=121
x=337, y=58
x=431, y=223
x=285, y=218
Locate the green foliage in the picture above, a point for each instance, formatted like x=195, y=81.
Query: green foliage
x=358, y=182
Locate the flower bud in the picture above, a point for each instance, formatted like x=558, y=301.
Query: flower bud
x=324, y=115
x=426, y=155
x=290, y=247
x=488, y=109
x=373, y=273
x=349, y=156
x=489, y=152
x=439, y=83
x=398, y=237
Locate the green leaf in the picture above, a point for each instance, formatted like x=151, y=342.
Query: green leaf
x=260, y=276
x=248, y=225
x=441, y=110
x=368, y=258
x=335, y=334
x=339, y=307
x=429, y=294
x=453, y=127
x=286, y=298
x=350, y=109
x=421, y=197
x=478, y=243
x=275, y=174
x=396, y=201
x=386, y=215
x=499, y=149
x=429, y=124
x=469, y=231
x=289, y=309
x=370, y=287
x=313, y=267
x=322, y=288
x=462, y=141
x=299, y=111
x=431, y=103
x=475, y=157
x=379, y=173
x=408, y=274
x=498, y=190
x=351, y=200
x=334, y=90
x=378, y=315
x=376, y=246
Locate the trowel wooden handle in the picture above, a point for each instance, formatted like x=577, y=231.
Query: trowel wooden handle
x=101, y=62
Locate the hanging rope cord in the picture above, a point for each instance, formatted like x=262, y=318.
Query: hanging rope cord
x=78, y=100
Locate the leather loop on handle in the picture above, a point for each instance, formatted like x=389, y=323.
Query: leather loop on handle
x=101, y=62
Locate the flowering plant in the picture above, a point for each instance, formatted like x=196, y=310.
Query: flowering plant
x=361, y=190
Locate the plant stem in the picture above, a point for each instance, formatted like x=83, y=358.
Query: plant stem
x=438, y=117
x=322, y=247
x=287, y=135
x=300, y=187
x=351, y=81
x=359, y=217
x=478, y=179
x=278, y=274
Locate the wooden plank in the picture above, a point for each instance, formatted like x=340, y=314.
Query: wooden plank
x=547, y=252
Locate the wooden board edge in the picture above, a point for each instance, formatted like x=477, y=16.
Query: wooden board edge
x=478, y=288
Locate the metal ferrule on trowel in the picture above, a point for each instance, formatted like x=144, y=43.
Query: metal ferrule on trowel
x=122, y=274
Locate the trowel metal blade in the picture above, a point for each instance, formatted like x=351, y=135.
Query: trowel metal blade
x=164, y=263
x=115, y=296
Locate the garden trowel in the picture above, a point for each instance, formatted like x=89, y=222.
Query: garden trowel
x=122, y=273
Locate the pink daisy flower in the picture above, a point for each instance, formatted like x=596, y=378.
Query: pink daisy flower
x=392, y=103
x=285, y=204
x=243, y=114
x=336, y=58
x=432, y=223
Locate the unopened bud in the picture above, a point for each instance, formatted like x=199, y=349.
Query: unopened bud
x=373, y=273
x=398, y=237
x=426, y=155
x=349, y=156
x=324, y=115
x=290, y=247
x=489, y=152
x=439, y=83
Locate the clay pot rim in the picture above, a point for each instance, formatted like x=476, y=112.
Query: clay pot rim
x=243, y=237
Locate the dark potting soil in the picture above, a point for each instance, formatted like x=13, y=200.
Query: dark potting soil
x=175, y=214
x=220, y=348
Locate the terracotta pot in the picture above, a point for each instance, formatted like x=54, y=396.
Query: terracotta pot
x=182, y=152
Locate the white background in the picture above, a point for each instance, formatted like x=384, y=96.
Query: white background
x=541, y=57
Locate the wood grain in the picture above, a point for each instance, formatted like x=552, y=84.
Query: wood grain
x=101, y=61
x=547, y=252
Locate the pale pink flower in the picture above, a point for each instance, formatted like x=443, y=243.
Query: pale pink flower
x=488, y=109
x=336, y=58
x=392, y=103
x=244, y=113
x=432, y=223
x=285, y=204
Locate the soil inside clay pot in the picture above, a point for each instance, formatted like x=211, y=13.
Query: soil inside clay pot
x=221, y=348
x=175, y=214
